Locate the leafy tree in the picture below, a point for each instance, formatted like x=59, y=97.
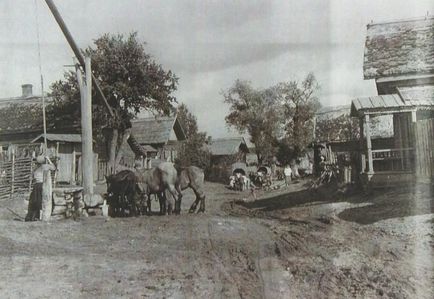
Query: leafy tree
x=192, y=151
x=300, y=105
x=277, y=118
x=285, y=152
x=255, y=112
x=341, y=128
x=130, y=79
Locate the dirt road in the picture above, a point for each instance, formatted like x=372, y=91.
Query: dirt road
x=294, y=245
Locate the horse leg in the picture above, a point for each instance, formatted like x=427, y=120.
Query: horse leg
x=200, y=197
x=202, y=204
x=132, y=200
x=195, y=203
x=178, y=203
x=162, y=200
x=172, y=201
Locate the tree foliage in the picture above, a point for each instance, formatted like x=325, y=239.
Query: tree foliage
x=340, y=128
x=300, y=105
x=130, y=79
x=192, y=151
x=276, y=118
x=255, y=112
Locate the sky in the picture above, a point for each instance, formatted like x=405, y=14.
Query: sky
x=207, y=44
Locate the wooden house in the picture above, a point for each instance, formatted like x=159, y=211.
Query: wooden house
x=234, y=149
x=227, y=156
x=159, y=136
x=399, y=56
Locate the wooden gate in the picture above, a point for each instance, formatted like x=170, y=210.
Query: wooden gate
x=424, y=146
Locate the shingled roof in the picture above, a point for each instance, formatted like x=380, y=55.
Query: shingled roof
x=400, y=47
x=156, y=130
x=227, y=146
x=73, y=138
x=407, y=98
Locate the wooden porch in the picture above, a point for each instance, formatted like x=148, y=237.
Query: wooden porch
x=412, y=155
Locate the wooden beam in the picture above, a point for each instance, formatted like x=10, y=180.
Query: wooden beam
x=413, y=116
x=86, y=130
x=76, y=51
x=46, y=196
x=367, y=128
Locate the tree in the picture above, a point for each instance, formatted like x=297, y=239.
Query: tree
x=255, y=112
x=300, y=105
x=341, y=128
x=130, y=79
x=277, y=118
x=192, y=151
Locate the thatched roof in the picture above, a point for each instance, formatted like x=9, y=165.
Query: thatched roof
x=227, y=146
x=156, y=130
x=400, y=47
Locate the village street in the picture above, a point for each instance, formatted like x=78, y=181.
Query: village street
x=281, y=246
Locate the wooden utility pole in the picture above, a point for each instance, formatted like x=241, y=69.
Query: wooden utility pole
x=86, y=129
x=46, y=196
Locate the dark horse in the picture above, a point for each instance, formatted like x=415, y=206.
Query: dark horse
x=123, y=193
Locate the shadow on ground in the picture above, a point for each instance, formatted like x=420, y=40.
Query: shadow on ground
x=383, y=204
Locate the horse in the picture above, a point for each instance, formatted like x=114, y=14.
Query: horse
x=122, y=191
x=158, y=180
x=192, y=177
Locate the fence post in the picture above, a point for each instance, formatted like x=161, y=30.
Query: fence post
x=13, y=172
x=31, y=175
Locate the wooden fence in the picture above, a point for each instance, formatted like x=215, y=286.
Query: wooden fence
x=16, y=169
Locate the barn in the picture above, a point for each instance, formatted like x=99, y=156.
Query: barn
x=399, y=57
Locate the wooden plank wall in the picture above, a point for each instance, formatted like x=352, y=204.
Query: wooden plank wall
x=424, y=144
x=404, y=138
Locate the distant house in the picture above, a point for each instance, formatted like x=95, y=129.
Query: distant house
x=21, y=128
x=399, y=57
x=159, y=136
x=234, y=148
x=227, y=155
x=24, y=131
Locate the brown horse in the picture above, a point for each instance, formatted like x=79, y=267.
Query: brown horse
x=192, y=177
x=158, y=180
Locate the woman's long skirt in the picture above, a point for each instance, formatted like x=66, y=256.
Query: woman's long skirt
x=35, y=203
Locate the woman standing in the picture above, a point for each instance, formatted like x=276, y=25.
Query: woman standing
x=35, y=201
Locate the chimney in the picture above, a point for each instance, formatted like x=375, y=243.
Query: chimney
x=27, y=90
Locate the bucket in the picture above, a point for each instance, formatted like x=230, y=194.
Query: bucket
x=104, y=209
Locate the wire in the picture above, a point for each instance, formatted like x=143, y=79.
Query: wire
x=42, y=78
